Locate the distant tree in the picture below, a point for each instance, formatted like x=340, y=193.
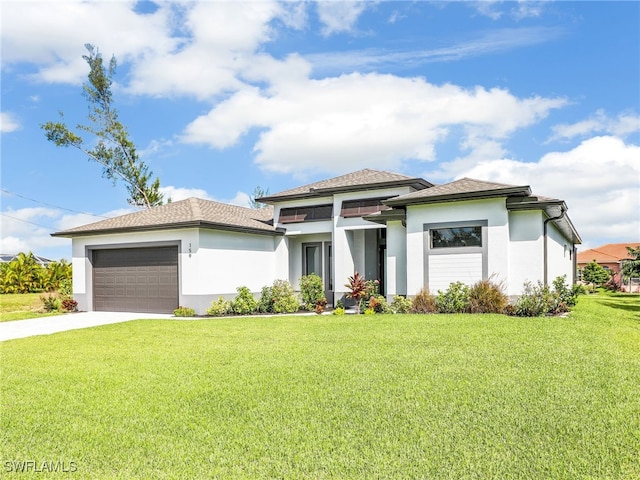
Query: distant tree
x=595, y=274
x=114, y=151
x=258, y=192
x=631, y=268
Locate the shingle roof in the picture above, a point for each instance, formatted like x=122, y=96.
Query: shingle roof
x=360, y=180
x=458, y=189
x=609, y=253
x=185, y=213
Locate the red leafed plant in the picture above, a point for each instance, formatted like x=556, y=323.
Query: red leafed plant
x=357, y=288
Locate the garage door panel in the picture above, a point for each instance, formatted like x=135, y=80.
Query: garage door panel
x=136, y=279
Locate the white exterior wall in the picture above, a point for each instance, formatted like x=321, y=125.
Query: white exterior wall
x=493, y=211
x=559, y=256
x=526, y=249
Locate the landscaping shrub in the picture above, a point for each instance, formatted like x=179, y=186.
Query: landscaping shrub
x=278, y=298
x=321, y=304
x=378, y=304
x=69, y=305
x=564, y=296
x=454, y=300
x=540, y=299
x=51, y=303
x=400, y=304
x=486, y=296
x=184, y=312
x=219, y=307
x=284, y=299
x=536, y=300
x=338, y=311
x=265, y=304
x=424, y=302
x=244, y=303
x=311, y=290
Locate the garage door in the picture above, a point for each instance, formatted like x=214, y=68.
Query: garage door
x=136, y=280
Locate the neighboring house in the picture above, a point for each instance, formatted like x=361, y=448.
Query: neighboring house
x=10, y=257
x=401, y=230
x=610, y=256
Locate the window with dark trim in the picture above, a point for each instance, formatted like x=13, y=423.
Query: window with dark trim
x=358, y=208
x=456, y=237
x=306, y=214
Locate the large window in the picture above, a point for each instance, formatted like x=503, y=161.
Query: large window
x=358, y=208
x=456, y=237
x=306, y=214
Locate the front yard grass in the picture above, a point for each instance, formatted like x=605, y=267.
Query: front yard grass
x=20, y=306
x=404, y=396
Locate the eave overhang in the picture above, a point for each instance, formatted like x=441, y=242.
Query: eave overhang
x=172, y=226
x=384, y=216
x=412, y=199
x=554, y=209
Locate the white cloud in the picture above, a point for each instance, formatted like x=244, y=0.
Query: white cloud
x=339, y=16
x=8, y=123
x=522, y=9
x=355, y=121
x=599, y=180
x=491, y=42
x=30, y=229
x=222, y=40
x=177, y=193
x=598, y=123
x=54, y=35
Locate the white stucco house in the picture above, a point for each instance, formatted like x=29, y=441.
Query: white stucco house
x=404, y=231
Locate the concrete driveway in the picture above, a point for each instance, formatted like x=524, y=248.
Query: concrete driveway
x=69, y=321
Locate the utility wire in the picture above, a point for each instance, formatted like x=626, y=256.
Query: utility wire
x=49, y=205
x=27, y=221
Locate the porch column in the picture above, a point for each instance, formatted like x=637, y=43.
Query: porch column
x=396, y=281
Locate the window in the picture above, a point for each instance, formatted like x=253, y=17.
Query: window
x=313, y=259
x=358, y=208
x=456, y=237
x=306, y=214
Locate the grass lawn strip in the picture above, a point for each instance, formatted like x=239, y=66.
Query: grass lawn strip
x=440, y=396
x=20, y=306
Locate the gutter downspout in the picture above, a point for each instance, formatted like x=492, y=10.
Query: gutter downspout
x=544, y=233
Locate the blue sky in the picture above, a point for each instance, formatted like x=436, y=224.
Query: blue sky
x=221, y=97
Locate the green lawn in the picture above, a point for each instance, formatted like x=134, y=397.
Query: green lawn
x=389, y=397
x=20, y=306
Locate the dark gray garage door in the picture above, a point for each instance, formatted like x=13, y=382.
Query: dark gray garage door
x=136, y=280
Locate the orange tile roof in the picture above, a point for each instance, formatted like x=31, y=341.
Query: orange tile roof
x=609, y=253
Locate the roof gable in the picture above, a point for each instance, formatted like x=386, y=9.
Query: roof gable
x=185, y=213
x=361, y=180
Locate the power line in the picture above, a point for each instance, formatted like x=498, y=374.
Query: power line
x=27, y=221
x=49, y=205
